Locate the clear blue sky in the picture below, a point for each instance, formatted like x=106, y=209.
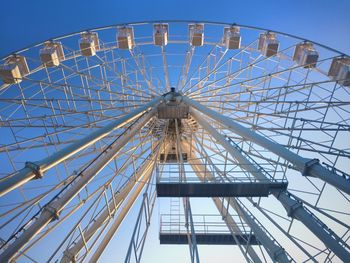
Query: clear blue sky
x=27, y=22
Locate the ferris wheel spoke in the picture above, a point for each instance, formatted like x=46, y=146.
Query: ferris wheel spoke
x=104, y=81
x=235, y=74
x=58, y=112
x=185, y=68
x=214, y=52
x=165, y=69
x=198, y=68
x=217, y=67
x=142, y=69
x=297, y=86
x=258, y=78
x=127, y=87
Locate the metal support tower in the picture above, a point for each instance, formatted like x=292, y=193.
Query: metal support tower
x=294, y=208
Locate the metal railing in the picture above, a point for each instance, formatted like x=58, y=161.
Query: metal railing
x=203, y=224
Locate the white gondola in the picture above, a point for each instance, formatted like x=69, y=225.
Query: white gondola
x=232, y=37
x=125, y=38
x=160, y=34
x=52, y=54
x=89, y=44
x=268, y=44
x=340, y=70
x=196, y=34
x=305, y=55
x=14, y=69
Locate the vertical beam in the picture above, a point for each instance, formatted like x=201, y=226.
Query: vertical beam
x=52, y=210
x=306, y=166
x=35, y=170
x=293, y=207
x=165, y=69
x=191, y=235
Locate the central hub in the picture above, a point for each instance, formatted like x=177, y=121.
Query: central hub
x=171, y=111
x=172, y=107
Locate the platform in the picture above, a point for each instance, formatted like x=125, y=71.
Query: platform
x=207, y=239
x=209, y=229
x=218, y=189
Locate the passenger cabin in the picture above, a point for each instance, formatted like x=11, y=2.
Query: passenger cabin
x=232, y=37
x=14, y=69
x=305, y=55
x=268, y=44
x=340, y=70
x=52, y=54
x=89, y=44
x=125, y=38
x=160, y=34
x=196, y=32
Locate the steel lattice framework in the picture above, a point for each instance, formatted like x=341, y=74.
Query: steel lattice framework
x=99, y=120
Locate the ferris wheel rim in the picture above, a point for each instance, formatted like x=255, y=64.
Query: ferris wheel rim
x=137, y=23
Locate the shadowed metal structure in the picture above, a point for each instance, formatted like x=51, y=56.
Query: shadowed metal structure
x=240, y=134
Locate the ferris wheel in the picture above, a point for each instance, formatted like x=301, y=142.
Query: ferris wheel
x=238, y=133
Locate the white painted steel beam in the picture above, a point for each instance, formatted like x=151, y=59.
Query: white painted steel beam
x=142, y=174
x=35, y=170
x=52, y=210
x=306, y=166
x=114, y=227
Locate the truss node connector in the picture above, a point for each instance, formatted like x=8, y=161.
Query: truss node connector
x=292, y=208
x=35, y=169
x=53, y=211
x=308, y=165
x=277, y=254
x=70, y=256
